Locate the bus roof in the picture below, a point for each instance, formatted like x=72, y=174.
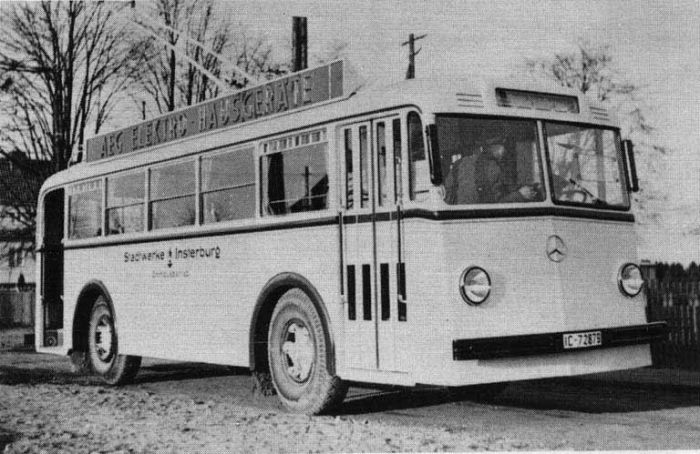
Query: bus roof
x=343, y=99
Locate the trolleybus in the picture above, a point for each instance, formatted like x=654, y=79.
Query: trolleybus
x=438, y=232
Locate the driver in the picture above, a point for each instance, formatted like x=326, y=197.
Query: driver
x=479, y=178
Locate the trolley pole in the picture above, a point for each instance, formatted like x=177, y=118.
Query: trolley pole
x=412, y=52
x=299, y=44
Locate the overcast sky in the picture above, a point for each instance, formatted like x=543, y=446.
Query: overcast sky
x=656, y=45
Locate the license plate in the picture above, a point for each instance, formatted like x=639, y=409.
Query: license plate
x=583, y=340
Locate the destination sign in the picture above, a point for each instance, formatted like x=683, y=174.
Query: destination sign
x=297, y=90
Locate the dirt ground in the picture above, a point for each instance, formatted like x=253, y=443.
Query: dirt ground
x=176, y=407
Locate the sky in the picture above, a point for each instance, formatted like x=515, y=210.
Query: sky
x=656, y=45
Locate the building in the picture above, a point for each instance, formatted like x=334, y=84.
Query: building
x=20, y=180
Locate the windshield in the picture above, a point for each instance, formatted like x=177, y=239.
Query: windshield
x=586, y=167
x=489, y=160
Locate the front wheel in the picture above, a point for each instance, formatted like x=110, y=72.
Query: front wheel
x=297, y=353
x=103, y=352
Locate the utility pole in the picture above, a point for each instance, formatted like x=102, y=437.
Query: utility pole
x=412, y=52
x=299, y=44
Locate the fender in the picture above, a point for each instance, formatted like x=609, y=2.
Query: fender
x=273, y=289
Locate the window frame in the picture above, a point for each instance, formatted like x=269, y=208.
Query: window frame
x=150, y=200
x=201, y=192
x=144, y=202
x=539, y=141
x=411, y=173
x=68, y=204
x=285, y=143
x=550, y=172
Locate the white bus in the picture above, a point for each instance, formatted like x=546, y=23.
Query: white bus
x=434, y=232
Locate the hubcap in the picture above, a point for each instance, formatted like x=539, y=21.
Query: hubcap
x=298, y=350
x=104, y=342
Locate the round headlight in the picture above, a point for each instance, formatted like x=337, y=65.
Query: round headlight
x=630, y=279
x=475, y=285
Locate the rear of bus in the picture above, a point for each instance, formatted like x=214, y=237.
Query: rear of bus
x=529, y=244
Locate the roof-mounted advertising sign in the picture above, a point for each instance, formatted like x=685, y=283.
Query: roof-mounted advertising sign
x=297, y=90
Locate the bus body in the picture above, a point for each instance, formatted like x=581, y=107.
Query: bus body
x=356, y=208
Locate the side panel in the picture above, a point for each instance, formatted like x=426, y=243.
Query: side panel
x=192, y=299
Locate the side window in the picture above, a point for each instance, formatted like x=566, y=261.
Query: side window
x=347, y=142
x=295, y=174
x=382, y=189
x=418, y=168
x=228, y=186
x=396, y=130
x=125, y=198
x=365, y=157
x=172, y=195
x=85, y=210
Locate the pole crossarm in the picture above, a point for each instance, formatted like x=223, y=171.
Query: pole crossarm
x=415, y=38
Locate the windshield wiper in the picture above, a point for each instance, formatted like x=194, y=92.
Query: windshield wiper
x=580, y=187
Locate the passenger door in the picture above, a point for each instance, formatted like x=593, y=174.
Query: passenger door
x=371, y=256
x=52, y=268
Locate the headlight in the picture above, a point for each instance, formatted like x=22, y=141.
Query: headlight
x=475, y=285
x=630, y=279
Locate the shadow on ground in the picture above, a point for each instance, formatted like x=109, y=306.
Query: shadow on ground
x=30, y=368
x=565, y=394
x=7, y=437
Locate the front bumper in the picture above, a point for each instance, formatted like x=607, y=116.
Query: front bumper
x=549, y=343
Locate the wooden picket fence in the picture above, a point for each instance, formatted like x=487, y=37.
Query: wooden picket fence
x=675, y=300
x=17, y=307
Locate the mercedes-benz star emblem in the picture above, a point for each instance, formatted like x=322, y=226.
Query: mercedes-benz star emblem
x=556, y=249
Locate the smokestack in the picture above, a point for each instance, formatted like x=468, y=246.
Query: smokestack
x=299, y=44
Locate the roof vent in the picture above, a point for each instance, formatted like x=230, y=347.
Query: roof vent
x=471, y=100
x=600, y=113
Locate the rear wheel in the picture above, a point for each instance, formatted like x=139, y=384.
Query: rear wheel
x=297, y=353
x=103, y=351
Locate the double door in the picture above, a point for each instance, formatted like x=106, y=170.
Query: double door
x=374, y=270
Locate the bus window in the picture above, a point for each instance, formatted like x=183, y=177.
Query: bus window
x=85, y=210
x=382, y=189
x=172, y=202
x=585, y=164
x=296, y=179
x=228, y=186
x=490, y=160
x=348, y=168
x=125, y=197
x=418, y=171
x=396, y=131
x=364, y=167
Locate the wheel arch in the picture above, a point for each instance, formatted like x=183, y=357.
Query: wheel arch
x=83, y=308
x=262, y=316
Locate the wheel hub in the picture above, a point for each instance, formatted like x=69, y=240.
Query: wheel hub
x=298, y=349
x=104, y=342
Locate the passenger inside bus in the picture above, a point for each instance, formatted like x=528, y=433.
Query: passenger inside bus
x=479, y=177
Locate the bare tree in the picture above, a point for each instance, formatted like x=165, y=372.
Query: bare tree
x=591, y=70
x=173, y=81
x=63, y=67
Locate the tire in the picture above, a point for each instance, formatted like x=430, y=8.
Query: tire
x=297, y=354
x=103, y=352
